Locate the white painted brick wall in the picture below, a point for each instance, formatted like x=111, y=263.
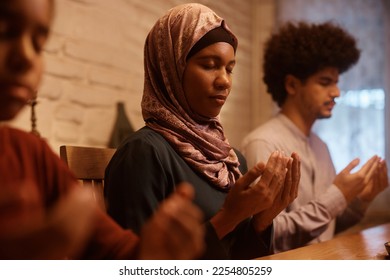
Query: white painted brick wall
x=94, y=59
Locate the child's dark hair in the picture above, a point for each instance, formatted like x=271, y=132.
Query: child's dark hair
x=302, y=49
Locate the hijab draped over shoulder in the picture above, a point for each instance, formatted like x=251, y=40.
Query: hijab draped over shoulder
x=199, y=140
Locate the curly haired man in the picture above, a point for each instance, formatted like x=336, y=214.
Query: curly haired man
x=302, y=65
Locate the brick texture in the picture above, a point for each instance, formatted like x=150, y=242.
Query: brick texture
x=94, y=59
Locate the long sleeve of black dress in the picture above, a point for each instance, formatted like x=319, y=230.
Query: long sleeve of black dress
x=146, y=169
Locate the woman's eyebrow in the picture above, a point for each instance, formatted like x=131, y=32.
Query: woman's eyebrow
x=214, y=57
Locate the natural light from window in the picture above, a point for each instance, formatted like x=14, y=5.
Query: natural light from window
x=356, y=128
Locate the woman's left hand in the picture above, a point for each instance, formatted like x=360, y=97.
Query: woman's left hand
x=287, y=194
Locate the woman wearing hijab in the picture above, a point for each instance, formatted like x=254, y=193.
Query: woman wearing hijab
x=189, y=57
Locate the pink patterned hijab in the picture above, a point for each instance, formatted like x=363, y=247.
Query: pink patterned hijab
x=199, y=140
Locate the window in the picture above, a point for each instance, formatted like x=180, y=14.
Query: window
x=356, y=128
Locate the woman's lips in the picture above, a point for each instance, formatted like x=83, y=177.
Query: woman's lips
x=220, y=99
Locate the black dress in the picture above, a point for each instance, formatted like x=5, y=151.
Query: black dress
x=145, y=170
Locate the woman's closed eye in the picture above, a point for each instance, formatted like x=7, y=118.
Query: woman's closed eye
x=209, y=66
x=216, y=66
x=39, y=40
x=229, y=69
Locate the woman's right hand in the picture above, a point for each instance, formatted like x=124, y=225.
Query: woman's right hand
x=253, y=193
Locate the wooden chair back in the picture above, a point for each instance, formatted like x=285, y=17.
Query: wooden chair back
x=88, y=164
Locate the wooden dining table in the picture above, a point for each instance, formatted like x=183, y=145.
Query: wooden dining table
x=367, y=244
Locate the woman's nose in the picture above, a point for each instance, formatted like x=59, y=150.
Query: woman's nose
x=22, y=54
x=223, y=80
